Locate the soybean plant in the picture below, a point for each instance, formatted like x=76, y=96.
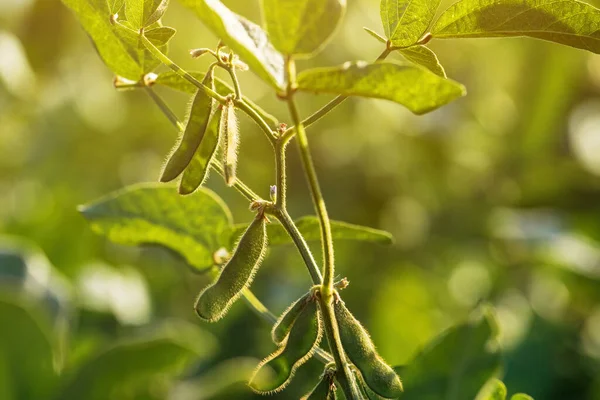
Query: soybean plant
x=132, y=41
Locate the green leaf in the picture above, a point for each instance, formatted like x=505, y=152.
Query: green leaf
x=245, y=38
x=136, y=49
x=311, y=231
x=174, y=81
x=416, y=88
x=456, y=364
x=423, y=56
x=191, y=225
x=26, y=351
x=571, y=23
x=302, y=26
x=128, y=368
x=493, y=390
x=114, y=6
x=161, y=35
x=141, y=13
x=405, y=21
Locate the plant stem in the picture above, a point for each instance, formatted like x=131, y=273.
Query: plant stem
x=320, y=113
x=343, y=373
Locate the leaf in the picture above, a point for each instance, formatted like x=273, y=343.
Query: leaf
x=416, y=88
x=141, y=13
x=120, y=51
x=129, y=367
x=493, y=390
x=245, y=38
x=423, y=56
x=191, y=225
x=114, y=6
x=455, y=365
x=405, y=21
x=571, y=22
x=521, y=396
x=26, y=350
x=302, y=26
x=310, y=229
x=174, y=81
x=136, y=49
x=161, y=35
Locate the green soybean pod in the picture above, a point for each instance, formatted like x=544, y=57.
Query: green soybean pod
x=324, y=390
x=231, y=137
x=284, y=324
x=360, y=349
x=195, y=128
x=237, y=274
x=197, y=171
x=367, y=393
x=277, y=370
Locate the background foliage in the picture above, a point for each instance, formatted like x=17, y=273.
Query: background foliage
x=491, y=198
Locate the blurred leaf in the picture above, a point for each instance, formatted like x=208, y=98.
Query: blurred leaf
x=130, y=367
x=310, y=229
x=493, y=390
x=571, y=23
x=405, y=21
x=456, y=365
x=141, y=13
x=120, y=51
x=191, y=225
x=302, y=26
x=174, y=81
x=425, y=57
x=415, y=88
x=245, y=38
x=26, y=351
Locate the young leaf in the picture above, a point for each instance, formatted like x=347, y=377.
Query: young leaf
x=423, y=56
x=243, y=37
x=214, y=301
x=128, y=367
x=172, y=80
x=405, y=21
x=161, y=35
x=192, y=225
x=302, y=27
x=142, y=13
x=277, y=370
x=195, y=128
x=433, y=373
x=571, y=23
x=197, y=171
x=415, y=88
x=310, y=229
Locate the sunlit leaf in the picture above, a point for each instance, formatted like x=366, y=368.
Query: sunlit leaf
x=415, y=88
x=302, y=26
x=456, y=365
x=425, y=57
x=567, y=22
x=130, y=367
x=114, y=6
x=191, y=225
x=174, y=81
x=141, y=13
x=161, y=35
x=310, y=229
x=245, y=38
x=26, y=351
x=405, y=21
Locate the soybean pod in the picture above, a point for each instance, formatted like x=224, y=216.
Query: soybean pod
x=195, y=128
x=237, y=274
x=360, y=349
x=284, y=324
x=277, y=370
x=231, y=135
x=325, y=388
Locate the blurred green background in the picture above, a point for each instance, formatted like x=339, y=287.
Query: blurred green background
x=495, y=197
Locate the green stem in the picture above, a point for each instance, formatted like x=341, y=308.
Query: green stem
x=320, y=113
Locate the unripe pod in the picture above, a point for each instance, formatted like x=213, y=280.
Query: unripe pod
x=325, y=389
x=214, y=301
x=195, y=128
x=360, y=349
x=230, y=132
x=277, y=370
x=284, y=324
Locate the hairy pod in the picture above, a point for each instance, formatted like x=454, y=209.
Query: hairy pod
x=200, y=110
x=197, y=171
x=277, y=370
x=284, y=324
x=214, y=301
x=325, y=388
x=360, y=349
x=231, y=135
